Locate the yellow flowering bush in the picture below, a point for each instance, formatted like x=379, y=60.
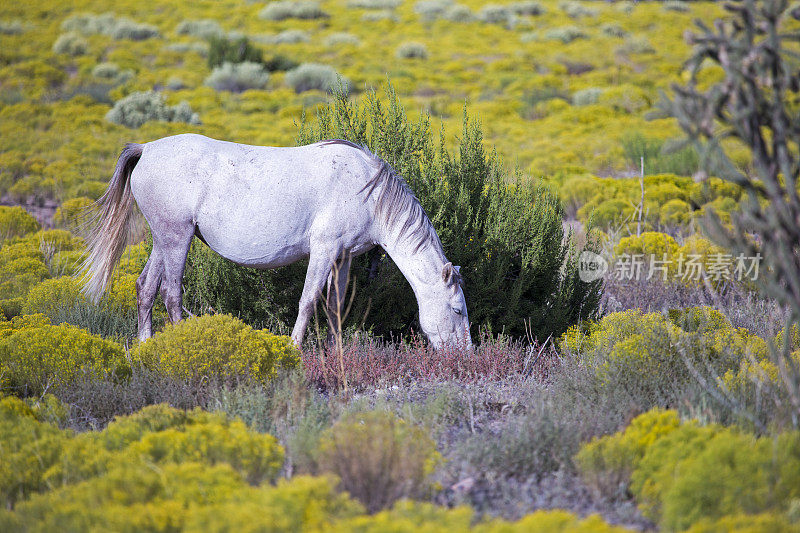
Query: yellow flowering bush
x=15, y=222
x=379, y=457
x=29, y=446
x=71, y=213
x=682, y=473
x=160, y=434
x=607, y=463
x=37, y=358
x=52, y=295
x=217, y=347
x=648, y=243
x=650, y=351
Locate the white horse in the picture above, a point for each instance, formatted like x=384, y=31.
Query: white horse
x=268, y=207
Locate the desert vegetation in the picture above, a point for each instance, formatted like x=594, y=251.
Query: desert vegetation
x=657, y=390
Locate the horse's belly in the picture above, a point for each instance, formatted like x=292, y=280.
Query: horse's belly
x=257, y=245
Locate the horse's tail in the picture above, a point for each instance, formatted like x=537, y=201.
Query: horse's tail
x=109, y=226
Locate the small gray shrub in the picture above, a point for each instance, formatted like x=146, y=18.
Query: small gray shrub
x=108, y=24
x=111, y=72
x=432, y=9
x=183, y=48
x=637, y=44
x=587, y=96
x=202, y=29
x=287, y=9
x=71, y=44
x=140, y=107
x=284, y=37
x=676, y=5
x=175, y=84
x=313, y=76
x=528, y=8
x=342, y=39
x=376, y=16
x=128, y=29
x=565, y=34
x=529, y=37
x=374, y=4
x=495, y=14
x=411, y=50
x=575, y=9
x=458, y=13
x=238, y=77
x=11, y=27
x=613, y=30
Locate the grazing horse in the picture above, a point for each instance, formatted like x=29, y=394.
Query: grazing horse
x=267, y=207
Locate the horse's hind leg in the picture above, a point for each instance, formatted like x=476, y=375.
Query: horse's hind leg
x=174, y=247
x=146, y=289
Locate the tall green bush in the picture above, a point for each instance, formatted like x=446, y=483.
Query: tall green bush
x=504, y=231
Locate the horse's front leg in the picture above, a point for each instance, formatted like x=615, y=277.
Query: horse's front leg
x=320, y=263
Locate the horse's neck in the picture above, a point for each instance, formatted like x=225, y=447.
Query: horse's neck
x=421, y=267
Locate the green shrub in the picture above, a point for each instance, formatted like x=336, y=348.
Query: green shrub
x=222, y=50
x=238, y=77
x=286, y=9
x=378, y=457
x=410, y=50
x=203, y=29
x=509, y=240
x=41, y=358
x=648, y=243
x=565, y=34
x=658, y=159
x=71, y=44
x=313, y=76
x=219, y=348
x=140, y=107
x=15, y=222
x=279, y=63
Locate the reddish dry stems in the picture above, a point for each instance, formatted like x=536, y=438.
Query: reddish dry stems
x=369, y=363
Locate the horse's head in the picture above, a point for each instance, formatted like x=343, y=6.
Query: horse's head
x=443, y=315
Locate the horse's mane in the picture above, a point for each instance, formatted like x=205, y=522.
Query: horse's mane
x=395, y=202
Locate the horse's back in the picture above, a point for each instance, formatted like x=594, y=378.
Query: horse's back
x=255, y=205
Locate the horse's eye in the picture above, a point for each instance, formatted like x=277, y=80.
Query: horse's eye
x=458, y=311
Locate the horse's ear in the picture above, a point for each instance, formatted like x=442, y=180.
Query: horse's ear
x=447, y=273
x=458, y=269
